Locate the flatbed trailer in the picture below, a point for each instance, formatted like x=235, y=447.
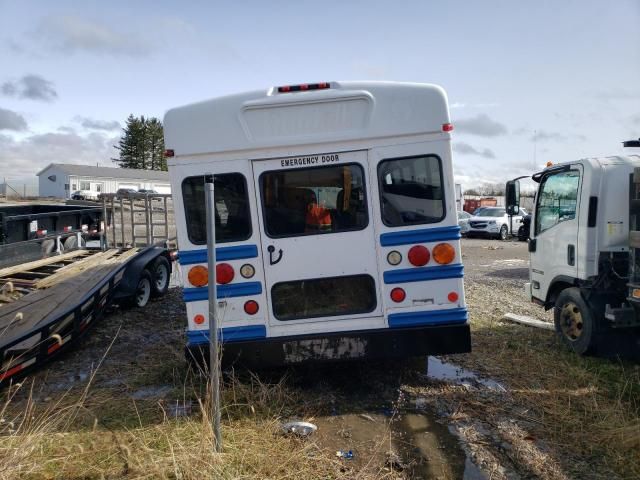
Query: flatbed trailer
x=47, y=305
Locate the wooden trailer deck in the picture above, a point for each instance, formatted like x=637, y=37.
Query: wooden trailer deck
x=44, y=303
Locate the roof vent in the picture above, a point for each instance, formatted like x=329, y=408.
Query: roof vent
x=52, y=178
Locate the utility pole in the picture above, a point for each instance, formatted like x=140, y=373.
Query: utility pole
x=214, y=359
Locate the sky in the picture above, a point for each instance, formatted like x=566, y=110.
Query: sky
x=528, y=81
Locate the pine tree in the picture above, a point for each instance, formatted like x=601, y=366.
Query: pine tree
x=142, y=144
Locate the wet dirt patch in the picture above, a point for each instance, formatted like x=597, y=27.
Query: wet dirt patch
x=412, y=444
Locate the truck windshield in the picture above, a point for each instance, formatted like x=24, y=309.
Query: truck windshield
x=491, y=212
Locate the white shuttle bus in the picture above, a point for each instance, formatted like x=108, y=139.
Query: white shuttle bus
x=336, y=228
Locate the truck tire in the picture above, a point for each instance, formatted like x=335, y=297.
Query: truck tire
x=504, y=233
x=575, y=321
x=143, y=290
x=161, y=273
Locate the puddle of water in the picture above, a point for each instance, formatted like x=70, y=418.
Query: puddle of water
x=413, y=442
x=449, y=372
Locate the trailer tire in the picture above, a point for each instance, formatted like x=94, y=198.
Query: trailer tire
x=48, y=247
x=143, y=290
x=161, y=273
x=575, y=321
x=71, y=243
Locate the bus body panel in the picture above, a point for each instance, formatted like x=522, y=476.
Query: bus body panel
x=382, y=126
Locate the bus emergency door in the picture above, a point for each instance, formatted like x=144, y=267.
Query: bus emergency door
x=317, y=239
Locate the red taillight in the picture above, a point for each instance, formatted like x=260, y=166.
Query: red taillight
x=418, y=256
x=199, y=319
x=398, y=295
x=251, y=307
x=447, y=127
x=304, y=87
x=452, y=297
x=169, y=152
x=224, y=273
x=67, y=228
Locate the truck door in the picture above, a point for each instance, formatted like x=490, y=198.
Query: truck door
x=554, y=245
x=317, y=242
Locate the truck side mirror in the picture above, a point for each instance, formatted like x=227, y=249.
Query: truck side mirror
x=512, y=197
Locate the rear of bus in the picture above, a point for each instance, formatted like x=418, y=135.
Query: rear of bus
x=336, y=225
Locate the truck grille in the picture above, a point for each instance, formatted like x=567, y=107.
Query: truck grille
x=478, y=224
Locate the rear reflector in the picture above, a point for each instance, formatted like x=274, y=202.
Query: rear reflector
x=398, y=295
x=447, y=127
x=198, y=276
x=169, y=153
x=199, y=319
x=304, y=87
x=251, y=307
x=452, y=297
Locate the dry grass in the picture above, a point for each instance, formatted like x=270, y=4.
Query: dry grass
x=587, y=410
x=53, y=443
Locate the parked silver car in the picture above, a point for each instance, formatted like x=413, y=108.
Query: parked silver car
x=463, y=222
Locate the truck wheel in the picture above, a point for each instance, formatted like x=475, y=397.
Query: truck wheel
x=504, y=232
x=160, y=271
x=574, y=321
x=143, y=290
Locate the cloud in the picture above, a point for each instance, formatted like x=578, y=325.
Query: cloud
x=91, y=124
x=473, y=105
x=31, y=87
x=72, y=34
x=617, y=94
x=10, y=120
x=29, y=155
x=480, y=125
x=544, y=136
x=466, y=149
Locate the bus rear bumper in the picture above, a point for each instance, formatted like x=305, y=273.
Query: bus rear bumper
x=379, y=343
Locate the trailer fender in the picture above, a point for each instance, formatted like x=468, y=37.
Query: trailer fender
x=135, y=267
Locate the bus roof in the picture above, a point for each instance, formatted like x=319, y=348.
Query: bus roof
x=267, y=118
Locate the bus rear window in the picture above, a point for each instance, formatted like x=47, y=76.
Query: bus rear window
x=313, y=201
x=233, y=221
x=411, y=191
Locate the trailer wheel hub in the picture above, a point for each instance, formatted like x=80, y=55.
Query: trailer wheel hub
x=571, y=321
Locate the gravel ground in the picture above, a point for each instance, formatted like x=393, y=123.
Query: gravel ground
x=398, y=420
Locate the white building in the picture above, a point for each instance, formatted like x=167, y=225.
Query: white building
x=61, y=180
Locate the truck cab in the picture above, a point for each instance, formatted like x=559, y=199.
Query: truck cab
x=579, y=246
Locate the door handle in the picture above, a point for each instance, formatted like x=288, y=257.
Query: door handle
x=272, y=249
x=571, y=255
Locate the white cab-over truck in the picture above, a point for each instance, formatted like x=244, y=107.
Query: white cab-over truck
x=583, y=246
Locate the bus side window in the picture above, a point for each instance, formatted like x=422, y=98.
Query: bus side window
x=232, y=215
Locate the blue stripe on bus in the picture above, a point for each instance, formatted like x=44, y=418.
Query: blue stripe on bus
x=229, y=334
x=222, y=254
x=432, y=317
x=423, y=273
x=423, y=235
x=223, y=291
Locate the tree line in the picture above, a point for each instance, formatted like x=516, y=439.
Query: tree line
x=142, y=144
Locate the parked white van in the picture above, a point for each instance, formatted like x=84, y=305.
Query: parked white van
x=336, y=229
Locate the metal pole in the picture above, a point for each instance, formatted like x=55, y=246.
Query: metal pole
x=214, y=360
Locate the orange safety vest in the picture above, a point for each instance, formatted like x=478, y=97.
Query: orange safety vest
x=317, y=218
